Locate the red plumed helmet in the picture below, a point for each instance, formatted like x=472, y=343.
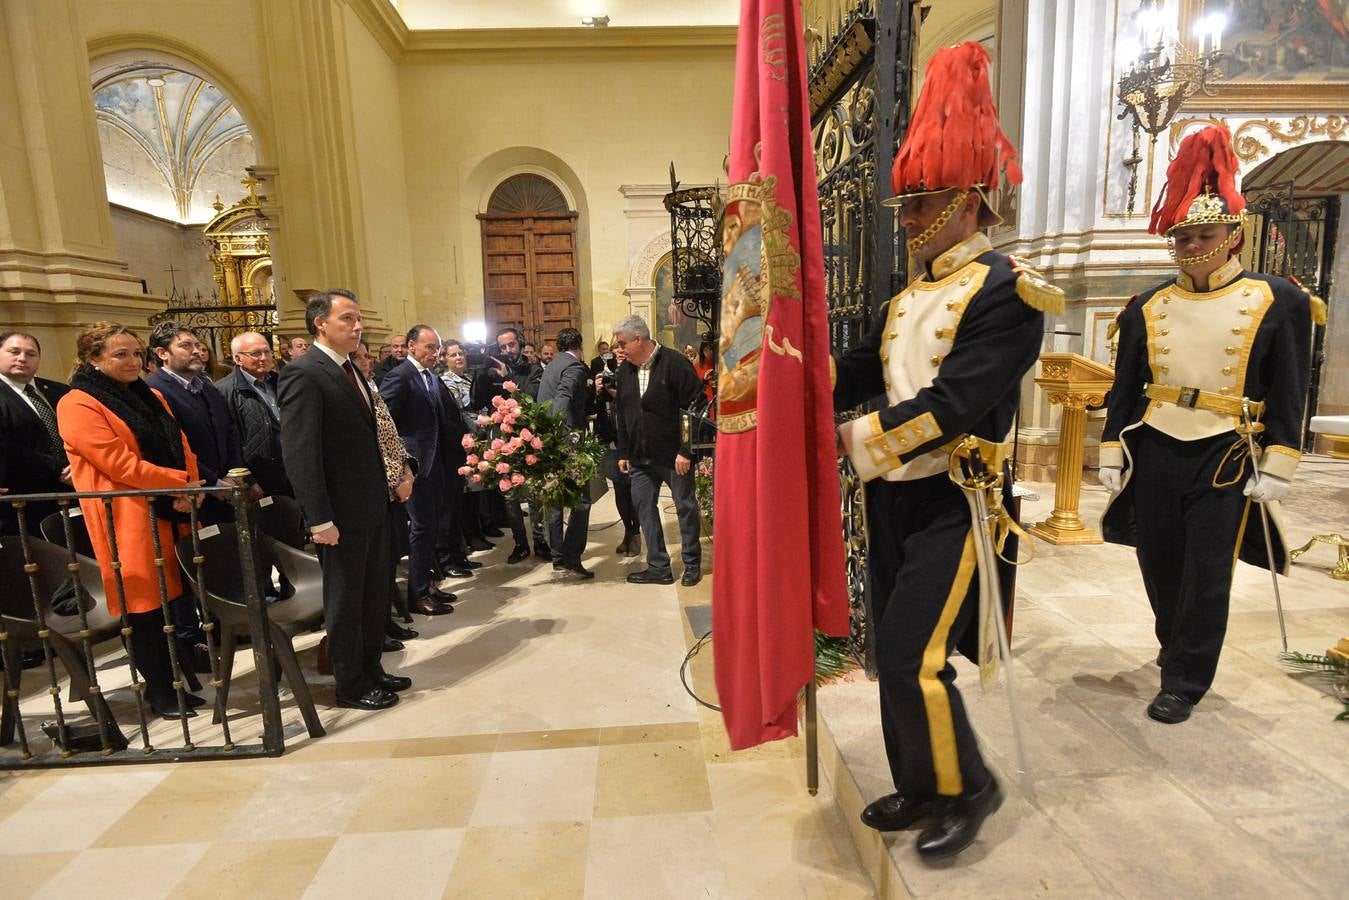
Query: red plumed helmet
x=954, y=139
x=1201, y=184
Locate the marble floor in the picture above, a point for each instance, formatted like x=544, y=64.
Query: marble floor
x=547, y=749
x=1249, y=798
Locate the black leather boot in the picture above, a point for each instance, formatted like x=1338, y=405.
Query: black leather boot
x=955, y=822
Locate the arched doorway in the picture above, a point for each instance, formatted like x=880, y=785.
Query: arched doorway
x=529, y=263
x=1293, y=200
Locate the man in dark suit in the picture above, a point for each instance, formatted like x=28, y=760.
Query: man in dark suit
x=655, y=386
x=250, y=396
x=332, y=455
x=566, y=384
x=35, y=454
x=398, y=352
x=200, y=409
x=417, y=400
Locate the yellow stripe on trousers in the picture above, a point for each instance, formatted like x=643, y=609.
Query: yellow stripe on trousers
x=940, y=727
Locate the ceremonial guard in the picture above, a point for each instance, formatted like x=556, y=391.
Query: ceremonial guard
x=948, y=355
x=1211, y=371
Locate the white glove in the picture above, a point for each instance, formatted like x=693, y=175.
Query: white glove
x=1265, y=488
x=1112, y=478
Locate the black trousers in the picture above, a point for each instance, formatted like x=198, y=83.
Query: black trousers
x=627, y=510
x=356, y=579
x=450, y=537
x=1188, y=532
x=424, y=506
x=567, y=547
x=926, y=592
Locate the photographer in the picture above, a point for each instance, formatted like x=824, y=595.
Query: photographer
x=606, y=391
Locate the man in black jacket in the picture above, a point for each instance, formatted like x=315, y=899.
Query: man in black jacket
x=250, y=396
x=200, y=410
x=35, y=454
x=398, y=352
x=566, y=385
x=332, y=454
x=655, y=386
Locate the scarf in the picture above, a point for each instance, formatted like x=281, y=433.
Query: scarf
x=155, y=429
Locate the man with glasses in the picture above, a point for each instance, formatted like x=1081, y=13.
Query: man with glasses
x=250, y=395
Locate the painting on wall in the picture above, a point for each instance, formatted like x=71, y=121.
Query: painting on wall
x=1278, y=54
x=672, y=328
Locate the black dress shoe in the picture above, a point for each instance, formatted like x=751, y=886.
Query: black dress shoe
x=375, y=698
x=393, y=682
x=193, y=701
x=542, y=550
x=441, y=596
x=492, y=532
x=894, y=813
x=428, y=606
x=691, y=578
x=519, y=554
x=955, y=821
x=392, y=645
x=646, y=576
x=477, y=544
x=168, y=708
x=457, y=572
x=398, y=632
x=572, y=569
x=468, y=564
x=1167, y=707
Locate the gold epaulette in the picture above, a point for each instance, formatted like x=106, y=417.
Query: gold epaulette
x=1035, y=290
x=1113, y=328
x=1320, y=314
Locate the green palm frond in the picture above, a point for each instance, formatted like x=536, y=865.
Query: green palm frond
x=832, y=657
x=1333, y=669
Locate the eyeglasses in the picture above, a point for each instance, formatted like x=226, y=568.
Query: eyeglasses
x=255, y=354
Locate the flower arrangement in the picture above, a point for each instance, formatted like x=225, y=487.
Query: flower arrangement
x=702, y=488
x=523, y=445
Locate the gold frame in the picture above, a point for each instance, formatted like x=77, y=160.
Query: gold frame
x=1238, y=96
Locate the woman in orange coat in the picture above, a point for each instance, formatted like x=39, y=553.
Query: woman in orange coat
x=120, y=435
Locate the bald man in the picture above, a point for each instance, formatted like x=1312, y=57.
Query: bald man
x=250, y=394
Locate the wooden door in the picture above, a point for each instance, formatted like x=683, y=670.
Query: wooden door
x=529, y=260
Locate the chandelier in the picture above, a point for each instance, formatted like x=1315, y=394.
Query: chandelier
x=1163, y=73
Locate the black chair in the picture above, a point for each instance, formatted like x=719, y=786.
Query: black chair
x=280, y=518
x=53, y=530
x=225, y=598
x=22, y=626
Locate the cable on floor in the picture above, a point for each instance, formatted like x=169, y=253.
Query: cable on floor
x=684, y=668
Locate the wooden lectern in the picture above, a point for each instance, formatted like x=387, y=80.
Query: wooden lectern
x=1073, y=382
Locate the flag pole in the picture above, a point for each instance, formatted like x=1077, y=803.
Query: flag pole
x=812, y=740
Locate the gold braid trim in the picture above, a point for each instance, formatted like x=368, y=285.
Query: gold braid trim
x=1320, y=315
x=1035, y=290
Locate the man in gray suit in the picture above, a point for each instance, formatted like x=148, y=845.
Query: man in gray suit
x=565, y=384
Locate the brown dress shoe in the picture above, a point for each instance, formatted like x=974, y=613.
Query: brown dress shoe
x=429, y=606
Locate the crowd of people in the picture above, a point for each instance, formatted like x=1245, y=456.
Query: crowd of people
x=370, y=445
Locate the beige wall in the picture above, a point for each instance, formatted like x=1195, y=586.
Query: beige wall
x=592, y=125
x=150, y=245
x=377, y=130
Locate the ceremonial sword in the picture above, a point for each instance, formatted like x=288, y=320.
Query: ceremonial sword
x=1264, y=517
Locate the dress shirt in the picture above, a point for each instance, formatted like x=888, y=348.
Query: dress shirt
x=19, y=389
x=644, y=371
x=193, y=384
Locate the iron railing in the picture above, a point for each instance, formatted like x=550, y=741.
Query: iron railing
x=89, y=676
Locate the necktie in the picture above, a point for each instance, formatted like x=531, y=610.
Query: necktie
x=48, y=417
x=351, y=375
x=430, y=387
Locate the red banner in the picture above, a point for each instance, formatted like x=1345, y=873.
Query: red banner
x=779, y=533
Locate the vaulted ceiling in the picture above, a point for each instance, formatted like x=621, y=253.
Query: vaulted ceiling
x=170, y=140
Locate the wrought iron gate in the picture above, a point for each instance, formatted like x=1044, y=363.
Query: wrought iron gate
x=217, y=323
x=1295, y=236
x=860, y=92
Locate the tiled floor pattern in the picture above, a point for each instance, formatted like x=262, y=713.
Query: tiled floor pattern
x=547, y=750
x=1250, y=798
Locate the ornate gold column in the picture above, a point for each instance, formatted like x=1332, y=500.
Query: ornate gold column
x=1073, y=382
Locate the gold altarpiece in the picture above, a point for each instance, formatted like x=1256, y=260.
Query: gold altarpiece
x=241, y=252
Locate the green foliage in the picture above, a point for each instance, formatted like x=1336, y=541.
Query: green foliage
x=702, y=483
x=1331, y=669
x=833, y=658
